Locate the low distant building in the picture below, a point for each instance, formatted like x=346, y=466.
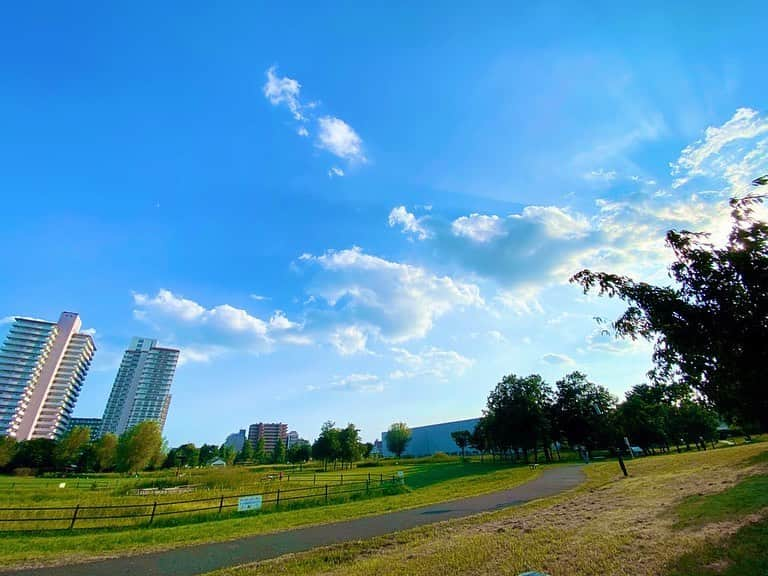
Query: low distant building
x=270, y=433
x=94, y=424
x=291, y=439
x=427, y=440
x=218, y=462
x=377, y=448
x=236, y=440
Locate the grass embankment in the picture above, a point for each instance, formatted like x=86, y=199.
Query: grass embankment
x=688, y=514
x=426, y=483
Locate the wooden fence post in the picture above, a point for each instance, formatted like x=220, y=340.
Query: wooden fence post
x=278, y=497
x=152, y=516
x=74, y=517
x=221, y=503
x=326, y=493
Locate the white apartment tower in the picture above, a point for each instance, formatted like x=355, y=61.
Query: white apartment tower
x=42, y=369
x=142, y=387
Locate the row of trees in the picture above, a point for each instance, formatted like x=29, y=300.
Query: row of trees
x=339, y=445
x=525, y=415
x=138, y=448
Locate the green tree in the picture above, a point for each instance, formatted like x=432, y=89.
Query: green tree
x=299, y=452
x=462, y=438
x=37, y=453
x=208, y=452
x=581, y=412
x=228, y=454
x=709, y=326
x=398, y=437
x=140, y=447
x=327, y=447
x=349, y=444
x=106, y=453
x=365, y=449
x=260, y=451
x=519, y=414
x=7, y=450
x=278, y=454
x=70, y=446
x=479, y=438
x=190, y=455
x=246, y=455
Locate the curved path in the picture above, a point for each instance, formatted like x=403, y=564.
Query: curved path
x=202, y=558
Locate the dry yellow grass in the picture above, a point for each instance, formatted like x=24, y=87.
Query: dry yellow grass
x=610, y=526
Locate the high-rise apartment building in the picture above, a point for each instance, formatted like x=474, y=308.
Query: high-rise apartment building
x=269, y=432
x=93, y=424
x=142, y=387
x=42, y=369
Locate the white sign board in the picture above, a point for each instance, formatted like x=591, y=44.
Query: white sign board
x=248, y=503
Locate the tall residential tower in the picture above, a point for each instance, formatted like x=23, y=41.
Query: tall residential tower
x=142, y=387
x=42, y=369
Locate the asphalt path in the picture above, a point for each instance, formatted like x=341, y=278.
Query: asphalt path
x=202, y=558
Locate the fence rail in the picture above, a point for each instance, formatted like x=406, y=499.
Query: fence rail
x=116, y=515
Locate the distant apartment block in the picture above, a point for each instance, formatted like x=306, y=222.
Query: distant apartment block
x=142, y=388
x=291, y=439
x=42, y=369
x=269, y=432
x=236, y=440
x=94, y=424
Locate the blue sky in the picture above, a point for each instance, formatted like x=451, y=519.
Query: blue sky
x=366, y=212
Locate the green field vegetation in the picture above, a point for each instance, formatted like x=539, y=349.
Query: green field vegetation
x=426, y=482
x=650, y=523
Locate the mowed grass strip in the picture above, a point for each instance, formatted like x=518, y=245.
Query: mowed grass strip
x=610, y=525
x=426, y=483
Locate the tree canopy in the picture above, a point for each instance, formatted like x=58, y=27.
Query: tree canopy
x=398, y=437
x=711, y=325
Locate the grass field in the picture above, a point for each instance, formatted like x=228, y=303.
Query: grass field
x=697, y=513
x=426, y=482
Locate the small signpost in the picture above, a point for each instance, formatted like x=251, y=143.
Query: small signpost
x=248, y=503
x=401, y=476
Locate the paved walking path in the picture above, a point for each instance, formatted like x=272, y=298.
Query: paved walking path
x=202, y=558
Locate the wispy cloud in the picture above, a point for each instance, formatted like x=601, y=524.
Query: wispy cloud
x=408, y=223
x=557, y=359
x=333, y=134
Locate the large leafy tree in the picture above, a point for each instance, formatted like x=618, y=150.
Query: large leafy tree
x=7, y=450
x=140, y=447
x=581, y=411
x=327, y=447
x=106, y=452
x=517, y=414
x=711, y=325
x=70, y=446
x=398, y=437
x=349, y=444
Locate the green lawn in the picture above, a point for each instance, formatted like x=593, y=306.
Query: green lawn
x=426, y=483
x=676, y=514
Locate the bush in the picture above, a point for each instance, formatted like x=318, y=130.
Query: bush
x=24, y=471
x=370, y=464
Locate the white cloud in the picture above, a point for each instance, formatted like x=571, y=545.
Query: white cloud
x=557, y=222
x=395, y=301
x=696, y=159
x=212, y=329
x=408, y=222
x=601, y=175
x=339, y=139
x=349, y=340
x=198, y=354
x=522, y=300
x=302, y=131
x=90, y=331
x=335, y=171
x=358, y=383
x=478, y=227
x=557, y=359
x=259, y=298
x=283, y=90
x=430, y=362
